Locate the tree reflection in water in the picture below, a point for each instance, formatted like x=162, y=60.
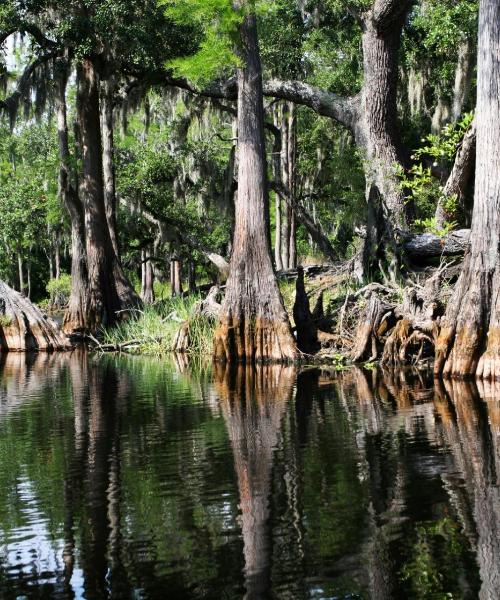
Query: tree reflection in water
x=128, y=478
x=254, y=400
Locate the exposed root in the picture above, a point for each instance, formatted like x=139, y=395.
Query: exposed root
x=23, y=327
x=254, y=340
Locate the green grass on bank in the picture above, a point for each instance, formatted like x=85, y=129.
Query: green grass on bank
x=156, y=327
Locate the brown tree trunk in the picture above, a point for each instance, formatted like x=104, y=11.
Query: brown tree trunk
x=20, y=271
x=23, y=327
x=469, y=342
x=108, y=289
x=176, y=277
x=75, y=316
x=377, y=132
x=108, y=165
x=463, y=77
x=277, y=240
x=254, y=324
x=458, y=181
x=147, y=288
x=191, y=277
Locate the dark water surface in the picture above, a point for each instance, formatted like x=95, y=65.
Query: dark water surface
x=139, y=478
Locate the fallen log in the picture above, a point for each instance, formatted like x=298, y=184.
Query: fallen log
x=428, y=245
x=23, y=327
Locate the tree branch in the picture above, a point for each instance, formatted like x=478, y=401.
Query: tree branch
x=384, y=12
x=162, y=224
x=314, y=229
x=10, y=103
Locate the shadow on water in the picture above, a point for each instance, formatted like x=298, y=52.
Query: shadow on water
x=132, y=478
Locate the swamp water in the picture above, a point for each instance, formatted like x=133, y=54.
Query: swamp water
x=137, y=478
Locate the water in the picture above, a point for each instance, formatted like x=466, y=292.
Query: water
x=137, y=478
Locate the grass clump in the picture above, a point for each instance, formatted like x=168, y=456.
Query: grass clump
x=156, y=327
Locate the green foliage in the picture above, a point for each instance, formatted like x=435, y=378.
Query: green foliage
x=219, y=22
x=420, y=184
x=158, y=325
x=5, y=321
x=444, y=146
x=438, y=551
x=59, y=290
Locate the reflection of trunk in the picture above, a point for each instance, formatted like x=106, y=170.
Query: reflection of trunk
x=102, y=392
x=253, y=404
x=78, y=368
x=472, y=445
x=469, y=342
x=254, y=324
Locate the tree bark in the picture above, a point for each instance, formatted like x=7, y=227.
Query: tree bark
x=254, y=325
x=75, y=316
x=147, y=287
x=469, y=342
x=377, y=131
x=108, y=289
x=460, y=176
x=23, y=327
x=108, y=164
x=20, y=270
x=175, y=277
x=463, y=77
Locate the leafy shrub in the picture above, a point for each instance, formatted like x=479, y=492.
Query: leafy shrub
x=59, y=290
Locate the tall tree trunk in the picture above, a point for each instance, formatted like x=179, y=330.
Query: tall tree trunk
x=108, y=164
x=254, y=324
x=377, y=131
x=289, y=136
x=463, y=77
x=20, y=271
x=147, y=288
x=108, y=289
x=176, y=277
x=458, y=181
x=57, y=256
x=277, y=239
x=28, y=275
x=469, y=342
x=75, y=316
x=192, y=277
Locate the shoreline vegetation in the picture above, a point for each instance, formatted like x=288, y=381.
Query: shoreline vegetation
x=231, y=141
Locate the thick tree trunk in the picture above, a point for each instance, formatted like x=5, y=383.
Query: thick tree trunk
x=75, y=316
x=377, y=132
x=460, y=176
x=108, y=165
x=254, y=324
x=469, y=342
x=108, y=289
